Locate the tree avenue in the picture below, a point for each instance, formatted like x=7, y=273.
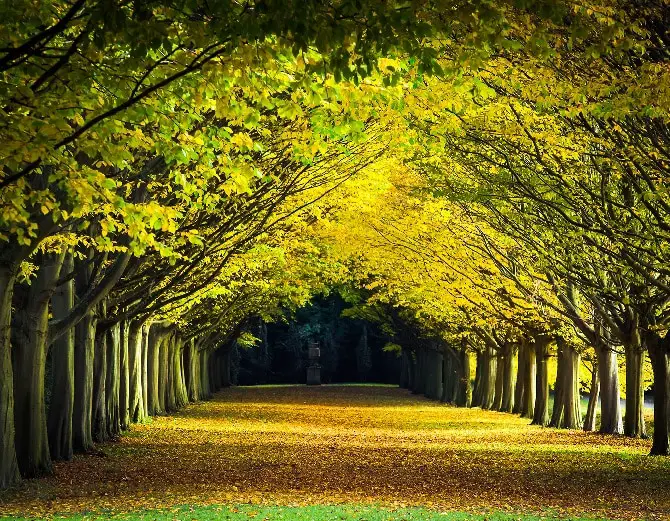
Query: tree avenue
x=489, y=180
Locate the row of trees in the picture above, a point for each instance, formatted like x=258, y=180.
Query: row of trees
x=461, y=299
x=533, y=198
x=149, y=151
x=351, y=350
x=172, y=170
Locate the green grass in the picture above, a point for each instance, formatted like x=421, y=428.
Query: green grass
x=306, y=513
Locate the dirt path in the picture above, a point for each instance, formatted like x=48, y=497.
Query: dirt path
x=296, y=445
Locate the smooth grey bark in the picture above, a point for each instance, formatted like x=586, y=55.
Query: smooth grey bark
x=594, y=395
x=477, y=390
x=99, y=414
x=633, y=423
x=446, y=384
x=566, y=413
x=610, y=403
x=135, y=339
x=170, y=396
x=205, y=391
x=499, y=380
x=30, y=334
x=84, y=349
x=59, y=421
x=464, y=393
x=489, y=370
x=124, y=377
x=572, y=414
x=455, y=374
x=11, y=257
x=92, y=296
x=113, y=381
x=144, y=369
x=191, y=363
x=508, y=378
x=157, y=337
x=529, y=377
x=164, y=353
x=451, y=376
x=659, y=353
x=557, y=411
x=84, y=354
x=181, y=394
x=541, y=409
x=433, y=388
x=9, y=467
x=520, y=380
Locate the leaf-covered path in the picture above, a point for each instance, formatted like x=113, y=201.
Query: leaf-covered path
x=332, y=444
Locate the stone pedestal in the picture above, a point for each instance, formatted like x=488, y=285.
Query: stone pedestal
x=314, y=376
x=314, y=369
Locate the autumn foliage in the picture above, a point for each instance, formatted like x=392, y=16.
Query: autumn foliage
x=486, y=181
x=291, y=445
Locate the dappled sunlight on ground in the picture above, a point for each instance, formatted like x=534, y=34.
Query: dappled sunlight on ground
x=297, y=445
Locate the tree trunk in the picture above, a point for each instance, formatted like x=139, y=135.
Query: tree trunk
x=446, y=373
x=170, y=397
x=181, y=395
x=477, y=391
x=489, y=371
x=154, y=346
x=434, y=375
x=420, y=387
x=660, y=363
x=205, y=391
x=567, y=412
x=507, y=404
x=225, y=367
x=633, y=425
x=557, y=412
x=404, y=377
x=520, y=378
x=411, y=370
x=541, y=410
x=572, y=413
x=113, y=380
x=9, y=468
x=610, y=403
x=124, y=378
x=192, y=378
x=529, y=377
x=499, y=380
x=216, y=366
x=464, y=396
x=144, y=372
x=594, y=394
x=416, y=372
x=59, y=421
x=84, y=349
x=456, y=374
x=135, y=339
x=99, y=415
x=164, y=356
x=30, y=343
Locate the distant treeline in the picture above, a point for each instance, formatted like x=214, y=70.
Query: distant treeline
x=351, y=349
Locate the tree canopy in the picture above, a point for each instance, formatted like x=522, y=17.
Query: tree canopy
x=488, y=181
